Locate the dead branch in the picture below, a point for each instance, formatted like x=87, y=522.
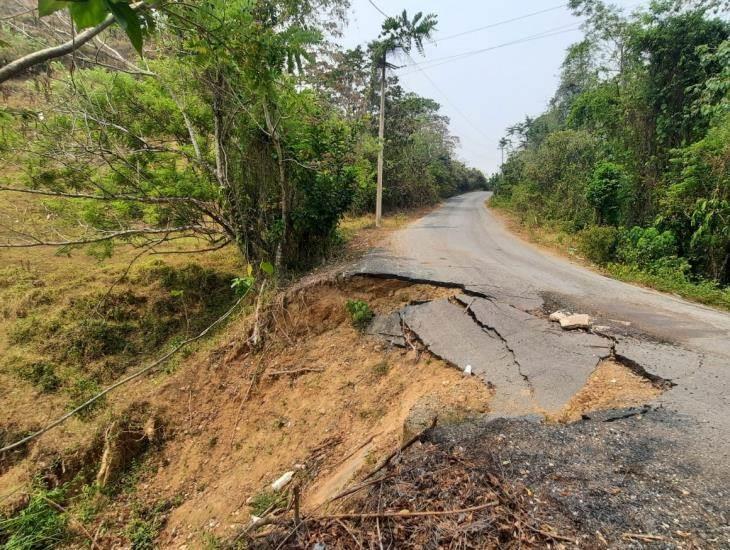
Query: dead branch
x=642, y=537
x=293, y=372
x=402, y=448
x=406, y=514
x=104, y=237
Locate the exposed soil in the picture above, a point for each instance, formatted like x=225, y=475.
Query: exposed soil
x=611, y=386
x=245, y=418
x=326, y=401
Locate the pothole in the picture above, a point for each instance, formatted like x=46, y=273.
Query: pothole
x=611, y=386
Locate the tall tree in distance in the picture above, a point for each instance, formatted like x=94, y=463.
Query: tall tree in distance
x=398, y=34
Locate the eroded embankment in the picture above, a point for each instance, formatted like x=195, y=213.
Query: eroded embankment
x=325, y=400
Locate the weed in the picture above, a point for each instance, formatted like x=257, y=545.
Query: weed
x=40, y=374
x=142, y=533
x=265, y=500
x=39, y=525
x=381, y=369
x=80, y=391
x=91, y=502
x=360, y=313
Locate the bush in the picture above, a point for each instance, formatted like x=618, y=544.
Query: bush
x=598, y=243
x=40, y=374
x=360, y=313
x=647, y=248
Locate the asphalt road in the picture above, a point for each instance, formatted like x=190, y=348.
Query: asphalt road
x=463, y=243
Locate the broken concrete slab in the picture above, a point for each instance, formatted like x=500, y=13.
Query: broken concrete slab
x=452, y=335
x=556, y=363
x=388, y=328
x=557, y=316
x=573, y=322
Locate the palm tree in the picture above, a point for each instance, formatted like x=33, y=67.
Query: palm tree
x=398, y=33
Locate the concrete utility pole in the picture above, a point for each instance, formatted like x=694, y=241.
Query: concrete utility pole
x=381, y=143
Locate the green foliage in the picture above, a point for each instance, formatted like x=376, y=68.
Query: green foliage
x=636, y=136
x=265, y=500
x=39, y=525
x=92, y=12
x=646, y=248
x=142, y=534
x=360, y=313
x=41, y=374
x=605, y=192
x=598, y=243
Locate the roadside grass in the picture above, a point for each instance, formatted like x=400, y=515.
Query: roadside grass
x=553, y=237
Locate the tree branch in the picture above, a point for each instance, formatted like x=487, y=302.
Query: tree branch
x=14, y=68
x=106, y=237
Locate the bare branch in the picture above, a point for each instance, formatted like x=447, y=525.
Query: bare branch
x=109, y=197
x=107, y=237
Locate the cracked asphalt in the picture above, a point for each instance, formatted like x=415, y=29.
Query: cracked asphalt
x=498, y=326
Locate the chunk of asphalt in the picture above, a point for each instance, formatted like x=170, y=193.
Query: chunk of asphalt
x=387, y=328
x=454, y=337
x=556, y=363
x=611, y=415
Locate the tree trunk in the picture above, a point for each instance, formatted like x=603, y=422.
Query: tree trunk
x=381, y=142
x=283, y=184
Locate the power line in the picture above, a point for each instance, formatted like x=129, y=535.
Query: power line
x=438, y=89
x=457, y=57
x=498, y=23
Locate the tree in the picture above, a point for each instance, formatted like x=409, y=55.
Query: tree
x=398, y=33
x=222, y=144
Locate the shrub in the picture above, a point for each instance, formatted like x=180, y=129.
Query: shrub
x=142, y=534
x=40, y=374
x=360, y=313
x=598, y=243
x=645, y=247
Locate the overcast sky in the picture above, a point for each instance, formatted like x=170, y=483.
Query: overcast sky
x=484, y=93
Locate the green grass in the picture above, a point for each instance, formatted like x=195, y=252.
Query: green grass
x=261, y=502
x=38, y=526
x=704, y=292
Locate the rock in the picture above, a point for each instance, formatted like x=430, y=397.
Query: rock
x=558, y=316
x=573, y=322
x=283, y=481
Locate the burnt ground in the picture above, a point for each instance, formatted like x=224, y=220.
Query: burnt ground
x=610, y=475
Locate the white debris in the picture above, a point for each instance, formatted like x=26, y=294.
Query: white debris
x=558, y=316
x=467, y=370
x=283, y=481
x=255, y=519
x=576, y=321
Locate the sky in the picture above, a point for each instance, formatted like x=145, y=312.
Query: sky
x=485, y=93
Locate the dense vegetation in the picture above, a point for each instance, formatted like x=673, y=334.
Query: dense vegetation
x=633, y=153
x=244, y=124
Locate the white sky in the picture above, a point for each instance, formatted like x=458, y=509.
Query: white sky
x=485, y=93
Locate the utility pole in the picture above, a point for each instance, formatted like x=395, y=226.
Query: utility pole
x=381, y=146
